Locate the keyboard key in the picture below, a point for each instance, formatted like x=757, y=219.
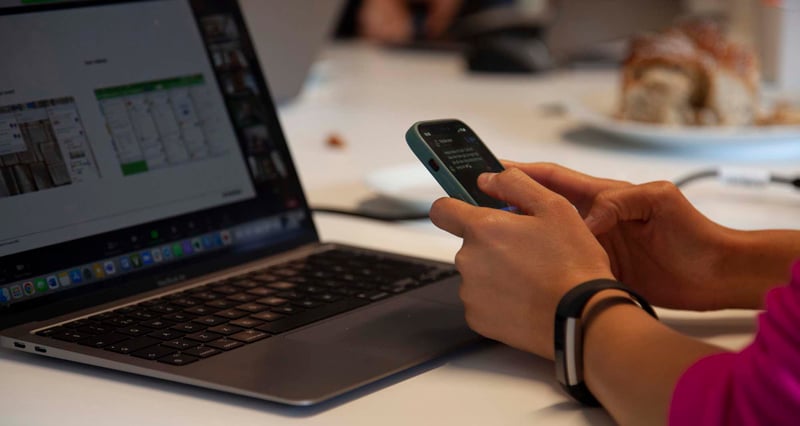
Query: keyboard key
x=142, y=315
x=179, y=317
x=178, y=359
x=373, y=295
x=206, y=295
x=188, y=327
x=202, y=351
x=157, y=324
x=222, y=303
x=69, y=336
x=286, y=309
x=225, y=329
x=281, y=285
x=185, y=302
x=133, y=345
x=225, y=289
x=120, y=322
x=242, y=297
x=94, y=330
x=300, y=279
x=313, y=289
x=180, y=344
x=134, y=330
x=153, y=352
x=78, y=323
x=165, y=308
x=231, y=314
x=264, y=277
x=245, y=283
x=169, y=334
x=203, y=336
x=326, y=297
x=405, y=282
x=306, y=303
x=103, y=317
x=51, y=331
x=252, y=307
x=261, y=291
x=267, y=316
x=225, y=344
x=104, y=340
x=346, y=291
x=246, y=322
x=291, y=295
x=210, y=320
x=249, y=336
x=285, y=272
x=200, y=310
x=272, y=301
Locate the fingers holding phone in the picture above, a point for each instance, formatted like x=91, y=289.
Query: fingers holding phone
x=455, y=157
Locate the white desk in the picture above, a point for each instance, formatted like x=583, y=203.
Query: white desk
x=370, y=97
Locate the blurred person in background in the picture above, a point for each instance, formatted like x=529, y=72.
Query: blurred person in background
x=570, y=29
x=404, y=21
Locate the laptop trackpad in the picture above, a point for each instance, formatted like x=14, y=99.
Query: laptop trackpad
x=401, y=327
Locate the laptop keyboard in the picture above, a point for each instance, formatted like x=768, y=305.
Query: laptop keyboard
x=204, y=321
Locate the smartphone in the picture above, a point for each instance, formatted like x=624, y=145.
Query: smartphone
x=455, y=156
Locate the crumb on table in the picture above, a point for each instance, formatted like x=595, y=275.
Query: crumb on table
x=335, y=141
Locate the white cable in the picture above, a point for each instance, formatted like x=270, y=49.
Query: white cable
x=742, y=176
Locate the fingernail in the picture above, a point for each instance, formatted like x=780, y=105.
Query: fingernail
x=590, y=221
x=485, y=178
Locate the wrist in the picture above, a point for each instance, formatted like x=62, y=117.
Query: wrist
x=632, y=362
x=752, y=262
x=568, y=335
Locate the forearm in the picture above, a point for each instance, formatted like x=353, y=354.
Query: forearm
x=632, y=362
x=754, y=262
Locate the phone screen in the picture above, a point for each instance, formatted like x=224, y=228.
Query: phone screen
x=464, y=155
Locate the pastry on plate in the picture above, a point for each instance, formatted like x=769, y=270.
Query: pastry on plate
x=690, y=74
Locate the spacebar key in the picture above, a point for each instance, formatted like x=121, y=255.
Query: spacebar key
x=310, y=316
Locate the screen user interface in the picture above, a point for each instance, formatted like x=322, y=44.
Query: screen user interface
x=132, y=135
x=464, y=155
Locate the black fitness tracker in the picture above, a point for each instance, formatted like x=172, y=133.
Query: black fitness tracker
x=568, y=335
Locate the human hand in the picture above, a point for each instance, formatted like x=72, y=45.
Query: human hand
x=385, y=21
x=657, y=242
x=390, y=21
x=441, y=14
x=516, y=267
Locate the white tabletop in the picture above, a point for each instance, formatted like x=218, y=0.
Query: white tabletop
x=369, y=97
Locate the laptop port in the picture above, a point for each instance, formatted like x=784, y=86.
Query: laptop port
x=40, y=349
x=19, y=345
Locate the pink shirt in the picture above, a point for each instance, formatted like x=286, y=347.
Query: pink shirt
x=759, y=385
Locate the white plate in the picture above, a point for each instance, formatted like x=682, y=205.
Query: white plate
x=410, y=184
x=597, y=111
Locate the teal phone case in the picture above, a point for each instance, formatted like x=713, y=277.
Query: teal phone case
x=426, y=155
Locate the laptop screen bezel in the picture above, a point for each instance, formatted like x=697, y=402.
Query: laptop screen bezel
x=60, y=303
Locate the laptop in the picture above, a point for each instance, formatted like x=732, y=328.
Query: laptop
x=296, y=30
x=152, y=220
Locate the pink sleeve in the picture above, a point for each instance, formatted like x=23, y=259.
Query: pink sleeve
x=759, y=385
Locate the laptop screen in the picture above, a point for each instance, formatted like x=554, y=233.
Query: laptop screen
x=137, y=139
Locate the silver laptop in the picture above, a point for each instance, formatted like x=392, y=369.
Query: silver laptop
x=297, y=30
x=152, y=221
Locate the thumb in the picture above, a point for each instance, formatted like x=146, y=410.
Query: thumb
x=518, y=189
x=627, y=204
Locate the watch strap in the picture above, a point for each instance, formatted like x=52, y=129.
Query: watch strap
x=568, y=334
